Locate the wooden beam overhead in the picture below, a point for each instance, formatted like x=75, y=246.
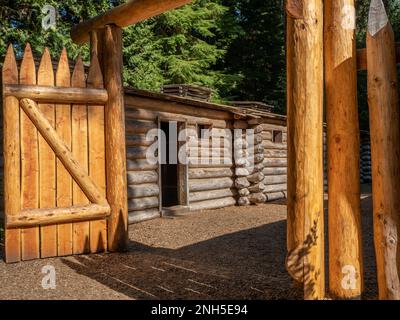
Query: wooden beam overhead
x=124, y=15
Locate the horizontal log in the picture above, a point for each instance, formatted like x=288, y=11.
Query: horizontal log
x=139, y=165
x=206, y=195
x=275, y=153
x=124, y=15
x=211, y=152
x=220, y=164
x=59, y=95
x=143, y=190
x=222, y=133
x=275, y=196
x=140, y=177
x=275, y=188
x=267, y=135
x=138, y=140
x=274, y=171
x=275, y=179
x=204, y=162
x=139, y=126
x=132, y=113
x=136, y=204
x=208, y=173
x=207, y=143
x=274, y=145
x=271, y=127
x=210, y=184
x=39, y=217
x=174, y=107
x=144, y=215
x=213, y=204
x=277, y=162
x=136, y=152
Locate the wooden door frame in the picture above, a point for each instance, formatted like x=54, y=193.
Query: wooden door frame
x=183, y=169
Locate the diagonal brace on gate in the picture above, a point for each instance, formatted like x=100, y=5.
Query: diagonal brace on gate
x=62, y=152
x=99, y=207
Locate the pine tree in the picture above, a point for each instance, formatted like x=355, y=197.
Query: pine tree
x=181, y=46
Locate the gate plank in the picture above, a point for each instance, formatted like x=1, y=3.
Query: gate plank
x=12, y=168
x=29, y=163
x=80, y=151
x=47, y=163
x=98, y=229
x=64, y=180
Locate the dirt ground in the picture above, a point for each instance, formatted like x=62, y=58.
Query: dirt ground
x=230, y=253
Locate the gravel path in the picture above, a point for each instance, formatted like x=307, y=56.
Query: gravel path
x=230, y=253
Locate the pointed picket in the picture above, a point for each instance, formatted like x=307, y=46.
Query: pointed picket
x=64, y=180
x=29, y=162
x=47, y=163
x=81, y=230
x=98, y=229
x=12, y=187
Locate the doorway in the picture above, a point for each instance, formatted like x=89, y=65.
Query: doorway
x=173, y=174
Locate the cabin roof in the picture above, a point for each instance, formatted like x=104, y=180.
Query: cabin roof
x=247, y=113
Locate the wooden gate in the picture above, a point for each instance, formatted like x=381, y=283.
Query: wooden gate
x=54, y=157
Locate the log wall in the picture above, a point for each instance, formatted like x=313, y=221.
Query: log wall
x=210, y=175
x=275, y=162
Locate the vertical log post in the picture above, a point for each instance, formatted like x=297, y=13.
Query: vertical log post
x=305, y=259
x=115, y=139
x=385, y=148
x=345, y=253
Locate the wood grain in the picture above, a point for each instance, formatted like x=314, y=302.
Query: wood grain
x=305, y=260
x=64, y=180
x=47, y=162
x=12, y=158
x=79, y=126
x=385, y=152
x=343, y=153
x=97, y=166
x=115, y=140
x=29, y=163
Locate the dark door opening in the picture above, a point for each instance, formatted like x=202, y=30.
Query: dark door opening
x=169, y=172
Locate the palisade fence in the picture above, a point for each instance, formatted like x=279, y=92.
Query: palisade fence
x=54, y=157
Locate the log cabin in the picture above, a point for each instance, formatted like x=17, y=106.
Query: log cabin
x=193, y=187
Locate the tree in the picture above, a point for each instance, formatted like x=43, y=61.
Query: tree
x=181, y=46
x=258, y=55
x=20, y=22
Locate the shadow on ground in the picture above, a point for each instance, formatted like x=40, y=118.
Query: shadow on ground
x=247, y=263
x=243, y=265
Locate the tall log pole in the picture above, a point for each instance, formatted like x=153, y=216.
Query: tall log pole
x=305, y=261
x=345, y=252
x=115, y=139
x=385, y=148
